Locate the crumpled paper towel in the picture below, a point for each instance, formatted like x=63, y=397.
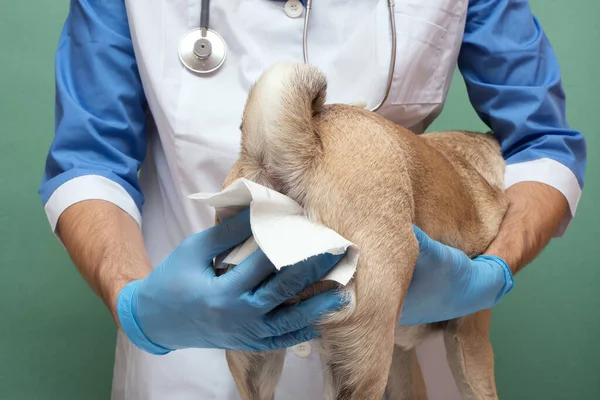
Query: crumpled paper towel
x=280, y=229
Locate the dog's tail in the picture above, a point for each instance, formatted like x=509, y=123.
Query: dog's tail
x=278, y=129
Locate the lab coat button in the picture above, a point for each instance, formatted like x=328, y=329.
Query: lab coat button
x=302, y=349
x=293, y=8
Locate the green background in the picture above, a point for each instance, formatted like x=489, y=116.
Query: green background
x=57, y=340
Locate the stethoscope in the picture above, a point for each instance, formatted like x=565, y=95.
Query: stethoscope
x=203, y=51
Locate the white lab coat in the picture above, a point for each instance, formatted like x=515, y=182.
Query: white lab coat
x=194, y=139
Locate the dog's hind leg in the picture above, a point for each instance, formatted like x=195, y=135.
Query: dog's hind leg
x=405, y=380
x=358, y=342
x=256, y=373
x=471, y=357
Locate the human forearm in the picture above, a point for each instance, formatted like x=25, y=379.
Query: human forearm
x=106, y=246
x=99, y=145
x=536, y=211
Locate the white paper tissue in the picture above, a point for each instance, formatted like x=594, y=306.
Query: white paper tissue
x=280, y=229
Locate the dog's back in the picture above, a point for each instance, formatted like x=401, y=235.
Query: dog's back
x=369, y=180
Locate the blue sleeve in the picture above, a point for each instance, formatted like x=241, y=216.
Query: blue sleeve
x=100, y=105
x=514, y=83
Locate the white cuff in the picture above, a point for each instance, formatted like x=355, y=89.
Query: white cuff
x=552, y=173
x=89, y=187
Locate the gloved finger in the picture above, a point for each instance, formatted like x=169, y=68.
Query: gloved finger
x=422, y=238
x=288, y=282
x=431, y=252
x=290, y=339
x=249, y=273
x=219, y=238
x=292, y=318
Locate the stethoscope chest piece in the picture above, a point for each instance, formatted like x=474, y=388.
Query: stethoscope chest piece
x=202, y=50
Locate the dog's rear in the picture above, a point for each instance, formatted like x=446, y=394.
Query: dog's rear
x=280, y=142
x=369, y=180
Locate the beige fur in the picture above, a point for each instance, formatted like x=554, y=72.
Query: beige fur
x=370, y=180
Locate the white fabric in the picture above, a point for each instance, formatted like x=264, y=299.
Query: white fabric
x=280, y=229
x=194, y=139
x=89, y=187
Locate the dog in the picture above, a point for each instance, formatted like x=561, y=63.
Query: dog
x=370, y=180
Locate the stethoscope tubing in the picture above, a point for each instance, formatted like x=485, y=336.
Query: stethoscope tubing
x=204, y=27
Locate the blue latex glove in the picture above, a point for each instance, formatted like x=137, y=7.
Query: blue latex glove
x=447, y=284
x=183, y=304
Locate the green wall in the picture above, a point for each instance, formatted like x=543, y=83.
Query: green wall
x=56, y=338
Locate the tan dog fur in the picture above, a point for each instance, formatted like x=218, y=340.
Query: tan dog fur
x=370, y=180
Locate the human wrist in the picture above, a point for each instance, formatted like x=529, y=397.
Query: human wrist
x=113, y=291
x=126, y=314
x=111, y=285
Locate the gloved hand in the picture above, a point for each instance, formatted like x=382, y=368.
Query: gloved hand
x=447, y=284
x=183, y=304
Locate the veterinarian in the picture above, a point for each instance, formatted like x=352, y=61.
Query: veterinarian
x=125, y=102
